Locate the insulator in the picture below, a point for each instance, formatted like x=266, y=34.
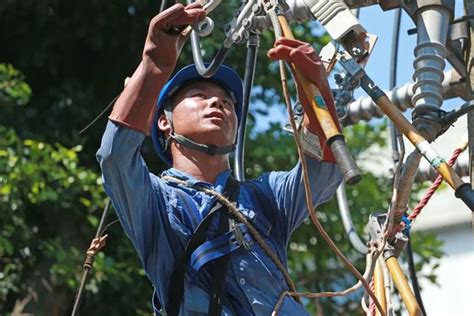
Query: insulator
x=429, y=64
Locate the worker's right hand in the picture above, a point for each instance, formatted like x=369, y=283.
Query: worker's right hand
x=305, y=58
x=164, y=40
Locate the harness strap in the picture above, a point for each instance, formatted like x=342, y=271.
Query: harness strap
x=219, y=267
x=219, y=247
x=176, y=289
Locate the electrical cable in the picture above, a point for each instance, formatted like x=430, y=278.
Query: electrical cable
x=346, y=217
x=413, y=277
x=250, y=66
x=309, y=199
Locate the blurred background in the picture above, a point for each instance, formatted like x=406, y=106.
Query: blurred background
x=62, y=62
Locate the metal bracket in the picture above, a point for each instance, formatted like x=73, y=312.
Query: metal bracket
x=395, y=245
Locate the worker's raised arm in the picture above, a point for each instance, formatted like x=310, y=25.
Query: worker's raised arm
x=287, y=187
x=134, y=107
x=137, y=195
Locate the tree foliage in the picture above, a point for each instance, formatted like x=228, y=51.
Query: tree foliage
x=73, y=59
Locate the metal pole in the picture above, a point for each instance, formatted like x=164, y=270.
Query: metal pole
x=469, y=11
x=393, y=81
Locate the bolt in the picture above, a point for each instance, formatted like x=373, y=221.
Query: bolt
x=338, y=78
x=256, y=9
x=237, y=38
x=357, y=50
x=246, y=23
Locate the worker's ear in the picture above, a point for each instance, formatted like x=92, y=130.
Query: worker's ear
x=164, y=124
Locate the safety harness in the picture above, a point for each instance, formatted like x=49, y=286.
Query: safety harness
x=233, y=232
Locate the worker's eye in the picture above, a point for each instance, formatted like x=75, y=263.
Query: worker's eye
x=228, y=103
x=200, y=96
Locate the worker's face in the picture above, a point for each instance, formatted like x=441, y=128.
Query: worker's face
x=205, y=113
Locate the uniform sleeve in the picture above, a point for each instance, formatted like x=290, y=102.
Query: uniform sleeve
x=137, y=195
x=289, y=193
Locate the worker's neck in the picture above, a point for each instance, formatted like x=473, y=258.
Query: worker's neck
x=201, y=166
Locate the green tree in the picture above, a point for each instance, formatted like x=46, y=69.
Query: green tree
x=75, y=56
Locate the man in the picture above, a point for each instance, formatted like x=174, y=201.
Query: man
x=194, y=128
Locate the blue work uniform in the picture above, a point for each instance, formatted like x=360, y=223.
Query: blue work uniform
x=159, y=218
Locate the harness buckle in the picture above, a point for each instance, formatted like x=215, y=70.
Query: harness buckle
x=239, y=236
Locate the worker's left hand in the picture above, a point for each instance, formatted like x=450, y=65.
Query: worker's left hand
x=304, y=57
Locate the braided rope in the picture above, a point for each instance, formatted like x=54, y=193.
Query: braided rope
x=372, y=306
x=253, y=232
x=429, y=193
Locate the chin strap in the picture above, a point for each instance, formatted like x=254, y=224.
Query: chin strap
x=205, y=148
x=183, y=140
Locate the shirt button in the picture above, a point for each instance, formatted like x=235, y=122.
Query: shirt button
x=242, y=281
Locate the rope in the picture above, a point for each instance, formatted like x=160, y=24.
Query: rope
x=371, y=258
x=372, y=307
x=96, y=245
x=436, y=183
x=253, y=232
x=100, y=114
x=312, y=212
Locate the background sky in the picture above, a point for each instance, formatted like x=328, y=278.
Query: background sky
x=380, y=23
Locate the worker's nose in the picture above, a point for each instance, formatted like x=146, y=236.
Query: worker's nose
x=216, y=102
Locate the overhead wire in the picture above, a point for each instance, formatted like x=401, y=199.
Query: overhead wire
x=308, y=195
x=413, y=277
x=346, y=217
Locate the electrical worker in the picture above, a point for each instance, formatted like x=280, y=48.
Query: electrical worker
x=193, y=126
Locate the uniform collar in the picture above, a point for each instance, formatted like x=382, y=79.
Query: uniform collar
x=218, y=185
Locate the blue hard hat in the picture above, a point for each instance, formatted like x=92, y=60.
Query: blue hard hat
x=225, y=77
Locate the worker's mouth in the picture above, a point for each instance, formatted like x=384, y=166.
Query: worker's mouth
x=216, y=115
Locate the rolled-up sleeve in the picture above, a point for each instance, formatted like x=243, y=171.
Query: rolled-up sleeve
x=289, y=192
